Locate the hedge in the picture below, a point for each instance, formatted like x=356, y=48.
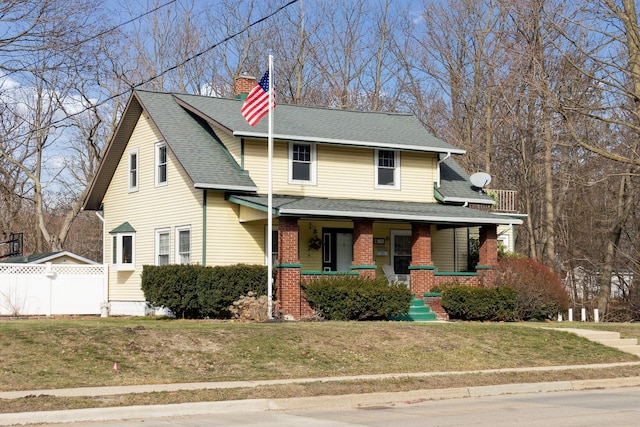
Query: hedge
x=194, y=291
x=357, y=298
x=475, y=303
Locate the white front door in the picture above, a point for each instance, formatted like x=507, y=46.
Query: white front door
x=344, y=251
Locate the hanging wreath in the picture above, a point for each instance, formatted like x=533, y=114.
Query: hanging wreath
x=315, y=242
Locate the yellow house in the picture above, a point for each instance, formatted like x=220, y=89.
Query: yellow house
x=184, y=180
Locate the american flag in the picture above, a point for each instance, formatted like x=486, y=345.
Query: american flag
x=256, y=106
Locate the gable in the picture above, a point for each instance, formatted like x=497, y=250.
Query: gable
x=194, y=145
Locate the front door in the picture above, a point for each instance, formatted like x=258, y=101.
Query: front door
x=400, y=251
x=337, y=249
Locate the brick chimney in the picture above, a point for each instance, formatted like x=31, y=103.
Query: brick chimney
x=243, y=85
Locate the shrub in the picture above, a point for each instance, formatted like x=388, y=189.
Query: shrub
x=541, y=294
x=222, y=285
x=357, y=298
x=194, y=291
x=251, y=308
x=475, y=303
x=173, y=287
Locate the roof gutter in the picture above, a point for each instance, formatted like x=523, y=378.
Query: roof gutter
x=438, y=167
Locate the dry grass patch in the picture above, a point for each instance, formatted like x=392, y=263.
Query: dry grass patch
x=61, y=353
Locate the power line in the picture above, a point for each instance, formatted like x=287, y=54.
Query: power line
x=165, y=71
x=95, y=36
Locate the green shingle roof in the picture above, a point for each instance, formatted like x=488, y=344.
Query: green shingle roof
x=455, y=186
x=125, y=227
x=293, y=122
x=373, y=209
x=199, y=151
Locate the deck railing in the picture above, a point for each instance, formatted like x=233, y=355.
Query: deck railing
x=506, y=201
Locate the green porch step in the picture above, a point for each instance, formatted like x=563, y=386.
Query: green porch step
x=418, y=312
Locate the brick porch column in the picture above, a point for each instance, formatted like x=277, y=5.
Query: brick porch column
x=288, y=266
x=488, y=253
x=363, y=261
x=421, y=268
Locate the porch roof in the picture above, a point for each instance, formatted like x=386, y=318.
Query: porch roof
x=434, y=213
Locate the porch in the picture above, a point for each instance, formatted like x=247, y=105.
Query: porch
x=319, y=237
x=368, y=253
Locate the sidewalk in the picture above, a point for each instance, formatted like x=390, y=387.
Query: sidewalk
x=255, y=405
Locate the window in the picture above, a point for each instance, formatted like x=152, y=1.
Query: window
x=161, y=163
x=162, y=246
x=133, y=170
x=183, y=245
x=274, y=244
x=302, y=163
x=122, y=251
x=387, y=169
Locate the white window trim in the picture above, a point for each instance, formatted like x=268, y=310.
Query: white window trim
x=119, y=266
x=274, y=229
x=396, y=171
x=177, y=257
x=135, y=152
x=157, y=164
x=313, y=168
x=159, y=232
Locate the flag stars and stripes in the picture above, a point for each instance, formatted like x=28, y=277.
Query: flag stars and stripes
x=256, y=106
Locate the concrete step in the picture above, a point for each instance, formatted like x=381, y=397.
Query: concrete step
x=618, y=342
x=608, y=338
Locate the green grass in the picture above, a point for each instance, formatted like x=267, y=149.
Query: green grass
x=61, y=353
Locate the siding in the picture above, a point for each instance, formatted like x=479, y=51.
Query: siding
x=174, y=205
x=228, y=240
x=232, y=144
x=333, y=164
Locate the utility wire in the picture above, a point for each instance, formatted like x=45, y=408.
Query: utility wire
x=165, y=71
x=95, y=36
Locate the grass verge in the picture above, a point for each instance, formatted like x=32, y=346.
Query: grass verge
x=61, y=353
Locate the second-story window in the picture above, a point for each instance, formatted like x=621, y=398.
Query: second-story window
x=302, y=163
x=133, y=170
x=387, y=169
x=161, y=163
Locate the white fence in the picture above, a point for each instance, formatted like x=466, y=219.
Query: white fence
x=52, y=289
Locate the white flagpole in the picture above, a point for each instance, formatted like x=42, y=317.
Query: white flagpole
x=270, y=197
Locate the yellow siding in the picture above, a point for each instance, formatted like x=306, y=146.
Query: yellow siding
x=232, y=144
x=334, y=163
x=229, y=241
x=174, y=205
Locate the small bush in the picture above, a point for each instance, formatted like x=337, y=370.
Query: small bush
x=356, y=298
x=541, y=294
x=252, y=308
x=475, y=303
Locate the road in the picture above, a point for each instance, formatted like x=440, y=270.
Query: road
x=610, y=407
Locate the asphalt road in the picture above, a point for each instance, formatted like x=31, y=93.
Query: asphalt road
x=609, y=407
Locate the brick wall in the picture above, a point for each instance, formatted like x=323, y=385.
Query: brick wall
x=363, y=247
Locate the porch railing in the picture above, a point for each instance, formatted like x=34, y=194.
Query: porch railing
x=506, y=201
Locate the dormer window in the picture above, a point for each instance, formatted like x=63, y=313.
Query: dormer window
x=387, y=169
x=302, y=163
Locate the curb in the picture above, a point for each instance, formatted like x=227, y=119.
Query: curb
x=304, y=403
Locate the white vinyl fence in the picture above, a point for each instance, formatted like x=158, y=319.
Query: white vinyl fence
x=52, y=289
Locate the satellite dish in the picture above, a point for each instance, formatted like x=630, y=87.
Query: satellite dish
x=480, y=179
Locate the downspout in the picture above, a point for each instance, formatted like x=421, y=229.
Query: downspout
x=204, y=228
x=438, y=167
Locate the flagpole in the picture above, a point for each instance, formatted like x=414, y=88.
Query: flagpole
x=270, y=198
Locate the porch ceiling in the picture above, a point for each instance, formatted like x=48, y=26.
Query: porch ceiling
x=317, y=207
